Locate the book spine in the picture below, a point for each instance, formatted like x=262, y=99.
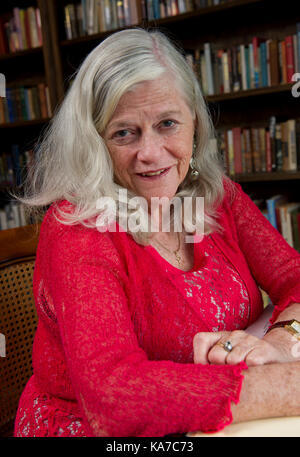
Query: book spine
x=236, y=132
x=278, y=143
x=272, y=212
x=243, y=67
x=283, y=62
x=290, y=64
x=17, y=22
x=255, y=150
x=23, y=30
x=298, y=43
x=268, y=152
x=230, y=152
x=225, y=67
x=292, y=145
x=39, y=26
x=209, y=72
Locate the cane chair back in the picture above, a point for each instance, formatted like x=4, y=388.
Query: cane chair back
x=18, y=319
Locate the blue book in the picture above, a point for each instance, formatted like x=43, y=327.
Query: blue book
x=10, y=107
x=156, y=9
x=247, y=67
x=272, y=202
x=263, y=64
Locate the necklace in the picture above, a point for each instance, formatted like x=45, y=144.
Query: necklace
x=175, y=252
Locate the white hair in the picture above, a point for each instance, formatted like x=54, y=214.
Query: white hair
x=72, y=160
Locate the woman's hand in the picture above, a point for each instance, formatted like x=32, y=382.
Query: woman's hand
x=277, y=346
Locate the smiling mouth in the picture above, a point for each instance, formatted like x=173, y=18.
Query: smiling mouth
x=151, y=174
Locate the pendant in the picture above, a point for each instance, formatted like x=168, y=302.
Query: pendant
x=178, y=258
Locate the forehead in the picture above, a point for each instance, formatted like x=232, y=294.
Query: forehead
x=161, y=94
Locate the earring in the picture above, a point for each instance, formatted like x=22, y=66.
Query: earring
x=194, y=172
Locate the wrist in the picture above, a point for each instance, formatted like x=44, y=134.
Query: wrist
x=292, y=326
x=285, y=342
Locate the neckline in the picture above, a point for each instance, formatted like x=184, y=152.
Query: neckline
x=199, y=258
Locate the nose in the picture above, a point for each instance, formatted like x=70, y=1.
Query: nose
x=149, y=147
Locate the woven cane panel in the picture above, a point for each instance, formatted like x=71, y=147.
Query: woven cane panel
x=18, y=322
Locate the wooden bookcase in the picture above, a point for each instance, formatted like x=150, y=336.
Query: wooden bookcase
x=227, y=24
x=27, y=67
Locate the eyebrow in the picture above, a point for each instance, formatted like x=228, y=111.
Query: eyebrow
x=122, y=124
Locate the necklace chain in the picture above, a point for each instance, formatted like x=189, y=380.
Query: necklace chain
x=174, y=252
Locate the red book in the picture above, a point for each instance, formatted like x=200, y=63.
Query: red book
x=238, y=167
x=27, y=29
x=3, y=38
x=268, y=152
x=289, y=56
x=283, y=62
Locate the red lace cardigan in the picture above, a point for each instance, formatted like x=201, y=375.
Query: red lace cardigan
x=104, y=353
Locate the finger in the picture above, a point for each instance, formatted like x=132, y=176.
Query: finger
x=239, y=353
x=247, y=345
x=218, y=354
x=203, y=342
x=242, y=343
x=261, y=356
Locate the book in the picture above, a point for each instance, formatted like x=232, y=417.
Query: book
x=295, y=219
x=230, y=152
x=268, y=152
x=285, y=146
x=236, y=133
x=290, y=63
x=256, y=158
x=298, y=44
x=256, y=42
x=33, y=29
x=272, y=203
x=292, y=146
x=286, y=221
x=278, y=146
x=209, y=72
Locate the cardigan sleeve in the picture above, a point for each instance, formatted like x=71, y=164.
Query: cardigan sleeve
x=119, y=391
x=273, y=262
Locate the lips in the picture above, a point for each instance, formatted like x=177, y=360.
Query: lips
x=154, y=173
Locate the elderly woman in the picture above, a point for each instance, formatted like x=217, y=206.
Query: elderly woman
x=140, y=332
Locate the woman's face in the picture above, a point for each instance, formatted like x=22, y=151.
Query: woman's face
x=150, y=139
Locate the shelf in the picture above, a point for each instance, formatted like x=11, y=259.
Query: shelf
x=249, y=93
x=273, y=176
x=24, y=123
x=192, y=15
x=23, y=53
x=202, y=12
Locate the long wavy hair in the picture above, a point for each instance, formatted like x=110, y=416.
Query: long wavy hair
x=72, y=161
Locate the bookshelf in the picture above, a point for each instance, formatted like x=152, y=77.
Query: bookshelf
x=27, y=64
x=225, y=25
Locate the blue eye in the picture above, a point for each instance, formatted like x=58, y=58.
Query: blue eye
x=168, y=123
x=121, y=133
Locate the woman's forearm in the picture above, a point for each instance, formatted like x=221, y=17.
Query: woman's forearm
x=291, y=312
x=271, y=390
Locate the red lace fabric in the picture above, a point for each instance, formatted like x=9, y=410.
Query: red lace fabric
x=113, y=350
